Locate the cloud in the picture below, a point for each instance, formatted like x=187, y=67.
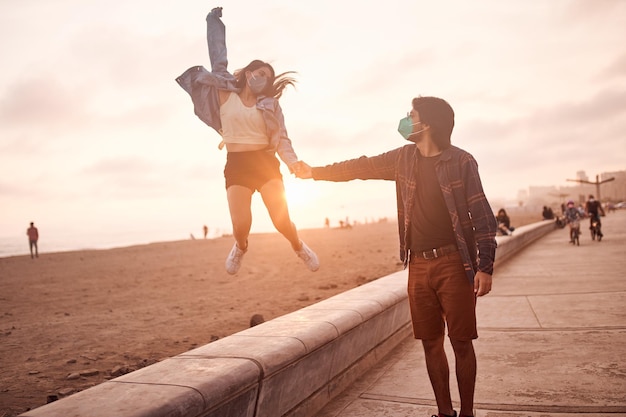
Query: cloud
x=9, y=189
x=140, y=178
x=47, y=109
x=41, y=102
x=124, y=177
x=22, y=145
x=615, y=70
x=605, y=105
x=585, y=10
x=548, y=143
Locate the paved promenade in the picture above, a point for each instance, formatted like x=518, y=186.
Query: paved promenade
x=552, y=339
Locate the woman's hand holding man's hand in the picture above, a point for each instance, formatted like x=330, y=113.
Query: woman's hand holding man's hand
x=301, y=169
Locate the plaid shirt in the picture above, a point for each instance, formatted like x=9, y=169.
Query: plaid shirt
x=472, y=218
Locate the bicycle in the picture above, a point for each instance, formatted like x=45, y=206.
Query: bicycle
x=595, y=229
x=574, y=231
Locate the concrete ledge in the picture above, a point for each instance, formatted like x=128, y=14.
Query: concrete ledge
x=290, y=366
x=522, y=236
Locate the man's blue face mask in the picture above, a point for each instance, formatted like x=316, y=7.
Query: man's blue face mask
x=406, y=127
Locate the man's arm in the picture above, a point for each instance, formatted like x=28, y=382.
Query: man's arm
x=482, y=283
x=483, y=219
x=380, y=167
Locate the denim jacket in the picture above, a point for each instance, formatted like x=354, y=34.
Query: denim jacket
x=457, y=171
x=203, y=86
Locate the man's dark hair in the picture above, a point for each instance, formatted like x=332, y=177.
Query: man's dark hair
x=438, y=114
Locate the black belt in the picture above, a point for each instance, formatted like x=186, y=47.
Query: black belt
x=435, y=253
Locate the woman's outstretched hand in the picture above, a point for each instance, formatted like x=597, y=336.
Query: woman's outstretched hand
x=301, y=169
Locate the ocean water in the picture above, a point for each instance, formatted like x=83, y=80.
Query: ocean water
x=63, y=242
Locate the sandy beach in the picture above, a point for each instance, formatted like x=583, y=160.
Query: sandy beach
x=71, y=320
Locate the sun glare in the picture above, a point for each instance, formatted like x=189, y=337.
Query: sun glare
x=301, y=192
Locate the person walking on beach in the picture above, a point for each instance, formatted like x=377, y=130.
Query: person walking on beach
x=33, y=237
x=447, y=238
x=243, y=108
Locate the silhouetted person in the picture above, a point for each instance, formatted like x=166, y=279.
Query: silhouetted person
x=447, y=236
x=33, y=237
x=205, y=229
x=243, y=107
x=547, y=213
x=504, y=223
x=594, y=209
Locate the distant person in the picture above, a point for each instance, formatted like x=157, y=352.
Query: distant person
x=205, y=230
x=326, y=222
x=243, y=108
x=33, y=237
x=504, y=223
x=572, y=217
x=447, y=238
x=547, y=213
x=593, y=209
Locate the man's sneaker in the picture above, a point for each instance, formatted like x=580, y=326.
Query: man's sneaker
x=309, y=257
x=233, y=262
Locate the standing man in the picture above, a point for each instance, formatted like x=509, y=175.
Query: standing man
x=447, y=238
x=33, y=237
x=593, y=209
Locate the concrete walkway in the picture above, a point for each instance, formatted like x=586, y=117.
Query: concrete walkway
x=552, y=339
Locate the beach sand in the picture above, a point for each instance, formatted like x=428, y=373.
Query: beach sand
x=93, y=315
x=71, y=320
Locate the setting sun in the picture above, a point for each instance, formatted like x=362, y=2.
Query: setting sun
x=301, y=192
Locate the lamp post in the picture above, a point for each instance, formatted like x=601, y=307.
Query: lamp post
x=597, y=184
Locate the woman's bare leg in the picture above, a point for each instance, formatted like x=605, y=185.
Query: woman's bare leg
x=239, y=201
x=273, y=193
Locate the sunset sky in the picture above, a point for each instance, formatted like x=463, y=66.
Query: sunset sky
x=96, y=136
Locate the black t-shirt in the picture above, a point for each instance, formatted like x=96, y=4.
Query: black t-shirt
x=593, y=207
x=431, y=226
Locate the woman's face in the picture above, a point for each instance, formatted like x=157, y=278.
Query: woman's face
x=261, y=72
x=259, y=79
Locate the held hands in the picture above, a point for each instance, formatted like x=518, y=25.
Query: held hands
x=301, y=169
x=482, y=284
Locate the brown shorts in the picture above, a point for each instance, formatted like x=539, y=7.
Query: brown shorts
x=440, y=294
x=251, y=169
